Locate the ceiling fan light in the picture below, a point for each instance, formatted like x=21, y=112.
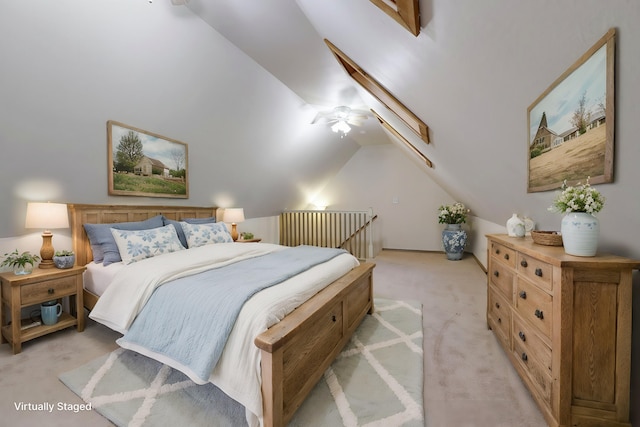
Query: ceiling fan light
x=341, y=126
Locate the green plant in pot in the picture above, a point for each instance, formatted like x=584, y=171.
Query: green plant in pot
x=21, y=263
x=64, y=259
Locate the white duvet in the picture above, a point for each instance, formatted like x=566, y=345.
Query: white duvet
x=238, y=370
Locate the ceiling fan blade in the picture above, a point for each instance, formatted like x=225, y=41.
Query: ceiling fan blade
x=359, y=112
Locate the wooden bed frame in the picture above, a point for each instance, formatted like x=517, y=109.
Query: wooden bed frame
x=294, y=352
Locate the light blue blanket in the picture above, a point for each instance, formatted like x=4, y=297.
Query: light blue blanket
x=188, y=321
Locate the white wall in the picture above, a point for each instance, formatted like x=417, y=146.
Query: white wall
x=377, y=176
x=470, y=76
x=69, y=66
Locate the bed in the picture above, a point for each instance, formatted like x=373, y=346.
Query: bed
x=293, y=353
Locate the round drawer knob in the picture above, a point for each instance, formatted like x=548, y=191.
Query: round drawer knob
x=524, y=357
x=522, y=336
x=495, y=273
x=50, y=291
x=524, y=263
x=506, y=256
x=539, y=272
x=522, y=295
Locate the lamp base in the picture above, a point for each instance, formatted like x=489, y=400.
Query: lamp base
x=47, y=263
x=46, y=251
x=234, y=231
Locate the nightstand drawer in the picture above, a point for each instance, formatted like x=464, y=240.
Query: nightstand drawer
x=51, y=289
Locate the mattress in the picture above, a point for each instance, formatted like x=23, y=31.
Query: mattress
x=97, y=277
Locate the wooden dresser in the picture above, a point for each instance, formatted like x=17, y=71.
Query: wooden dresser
x=565, y=323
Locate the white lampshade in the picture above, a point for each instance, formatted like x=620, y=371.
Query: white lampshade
x=47, y=215
x=233, y=215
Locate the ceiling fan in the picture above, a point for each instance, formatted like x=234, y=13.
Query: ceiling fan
x=341, y=117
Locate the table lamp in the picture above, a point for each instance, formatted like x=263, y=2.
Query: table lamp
x=233, y=215
x=47, y=216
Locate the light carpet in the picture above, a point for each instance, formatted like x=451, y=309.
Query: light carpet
x=377, y=380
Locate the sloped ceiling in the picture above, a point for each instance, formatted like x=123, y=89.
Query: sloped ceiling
x=469, y=75
x=279, y=36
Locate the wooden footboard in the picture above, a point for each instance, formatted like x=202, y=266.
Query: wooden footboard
x=296, y=351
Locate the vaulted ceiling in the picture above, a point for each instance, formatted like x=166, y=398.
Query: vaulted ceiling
x=281, y=38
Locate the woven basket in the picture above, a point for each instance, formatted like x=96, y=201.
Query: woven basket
x=547, y=238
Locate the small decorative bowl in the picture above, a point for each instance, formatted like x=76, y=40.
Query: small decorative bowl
x=547, y=238
x=64, y=261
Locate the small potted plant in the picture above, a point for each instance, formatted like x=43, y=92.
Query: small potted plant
x=21, y=263
x=64, y=259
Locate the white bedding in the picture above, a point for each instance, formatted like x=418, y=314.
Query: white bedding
x=97, y=277
x=238, y=370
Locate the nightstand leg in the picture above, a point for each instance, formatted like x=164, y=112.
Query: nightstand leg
x=3, y=322
x=16, y=339
x=78, y=307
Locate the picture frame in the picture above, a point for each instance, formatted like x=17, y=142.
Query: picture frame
x=571, y=124
x=404, y=12
x=379, y=92
x=402, y=139
x=145, y=164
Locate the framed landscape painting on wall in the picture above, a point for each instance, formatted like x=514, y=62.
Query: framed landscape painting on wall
x=571, y=125
x=142, y=163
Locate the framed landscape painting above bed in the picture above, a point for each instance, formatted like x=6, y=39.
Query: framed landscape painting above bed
x=571, y=125
x=142, y=163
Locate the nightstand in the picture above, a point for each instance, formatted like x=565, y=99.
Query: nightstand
x=248, y=240
x=41, y=285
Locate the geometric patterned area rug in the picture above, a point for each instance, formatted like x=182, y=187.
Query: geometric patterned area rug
x=377, y=380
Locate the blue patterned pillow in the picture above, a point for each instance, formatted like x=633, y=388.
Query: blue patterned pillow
x=205, y=234
x=176, y=224
x=103, y=245
x=135, y=245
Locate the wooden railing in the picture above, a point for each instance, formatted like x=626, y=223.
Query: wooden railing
x=350, y=230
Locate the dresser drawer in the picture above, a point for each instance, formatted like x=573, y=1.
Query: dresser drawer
x=500, y=316
x=49, y=290
x=534, y=306
x=503, y=254
x=502, y=278
x=531, y=343
x=534, y=371
x=536, y=271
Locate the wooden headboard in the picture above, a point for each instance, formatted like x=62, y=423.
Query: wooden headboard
x=108, y=214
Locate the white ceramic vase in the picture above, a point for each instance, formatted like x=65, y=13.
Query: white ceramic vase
x=515, y=226
x=580, y=233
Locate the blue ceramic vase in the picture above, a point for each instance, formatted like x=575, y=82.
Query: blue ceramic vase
x=454, y=240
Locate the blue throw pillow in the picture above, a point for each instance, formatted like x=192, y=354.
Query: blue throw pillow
x=103, y=245
x=180, y=231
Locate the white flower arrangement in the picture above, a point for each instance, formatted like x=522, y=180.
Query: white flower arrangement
x=453, y=214
x=581, y=198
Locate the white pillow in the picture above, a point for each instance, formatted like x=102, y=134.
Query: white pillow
x=135, y=245
x=205, y=234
